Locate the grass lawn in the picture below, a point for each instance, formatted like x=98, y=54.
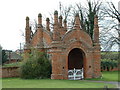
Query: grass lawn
x=15, y=64
x=48, y=83
x=108, y=76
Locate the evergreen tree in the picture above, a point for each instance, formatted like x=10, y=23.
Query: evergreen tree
x=4, y=56
x=0, y=55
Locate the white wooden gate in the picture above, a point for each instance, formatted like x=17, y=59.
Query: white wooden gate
x=75, y=74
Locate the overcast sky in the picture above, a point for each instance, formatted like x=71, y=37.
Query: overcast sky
x=14, y=12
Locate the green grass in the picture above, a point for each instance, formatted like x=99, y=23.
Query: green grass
x=48, y=83
x=110, y=52
x=16, y=64
x=107, y=76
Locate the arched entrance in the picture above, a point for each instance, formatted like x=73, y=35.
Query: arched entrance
x=76, y=63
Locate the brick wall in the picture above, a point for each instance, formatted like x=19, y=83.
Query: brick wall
x=9, y=72
x=11, y=61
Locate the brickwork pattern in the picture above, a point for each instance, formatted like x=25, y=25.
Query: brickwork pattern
x=6, y=72
x=59, y=42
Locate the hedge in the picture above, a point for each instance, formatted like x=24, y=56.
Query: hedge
x=107, y=64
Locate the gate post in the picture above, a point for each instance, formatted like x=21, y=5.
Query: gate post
x=74, y=73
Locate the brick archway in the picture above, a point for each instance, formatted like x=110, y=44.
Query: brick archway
x=76, y=59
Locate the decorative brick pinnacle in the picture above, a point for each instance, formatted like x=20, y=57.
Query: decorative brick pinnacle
x=47, y=19
x=65, y=21
x=39, y=15
x=56, y=12
x=27, y=18
x=77, y=15
x=60, y=17
x=96, y=16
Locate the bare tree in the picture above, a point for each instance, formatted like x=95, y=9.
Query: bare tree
x=65, y=12
x=87, y=15
x=34, y=26
x=113, y=29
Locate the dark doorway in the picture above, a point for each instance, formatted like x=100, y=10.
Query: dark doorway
x=75, y=59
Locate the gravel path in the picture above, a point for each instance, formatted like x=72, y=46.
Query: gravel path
x=110, y=82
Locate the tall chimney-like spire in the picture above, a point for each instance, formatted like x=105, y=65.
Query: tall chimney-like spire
x=56, y=33
x=48, y=24
x=77, y=22
x=39, y=20
x=65, y=25
x=60, y=20
x=96, y=30
x=56, y=17
x=27, y=32
x=40, y=32
x=27, y=22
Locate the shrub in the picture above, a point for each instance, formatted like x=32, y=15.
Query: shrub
x=107, y=64
x=36, y=65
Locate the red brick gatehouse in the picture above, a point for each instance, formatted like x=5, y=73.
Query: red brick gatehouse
x=66, y=49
